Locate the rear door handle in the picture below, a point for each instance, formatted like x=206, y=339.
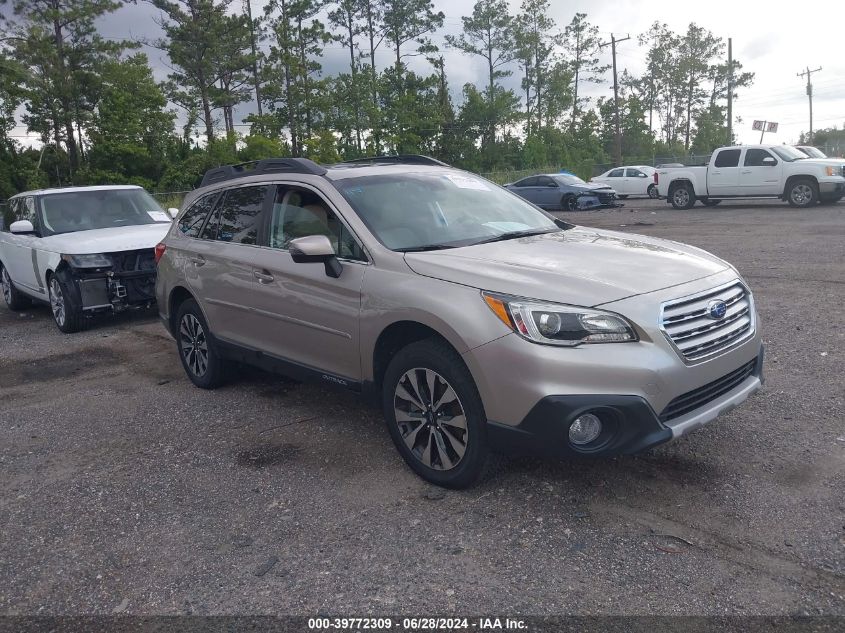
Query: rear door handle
x=199, y=260
x=745, y=171
x=263, y=277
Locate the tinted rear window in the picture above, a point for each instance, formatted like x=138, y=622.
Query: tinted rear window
x=238, y=216
x=192, y=220
x=727, y=158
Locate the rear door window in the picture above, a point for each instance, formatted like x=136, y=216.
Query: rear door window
x=192, y=220
x=616, y=173
x=727, y=158
x=527, y=182
x=238, y=216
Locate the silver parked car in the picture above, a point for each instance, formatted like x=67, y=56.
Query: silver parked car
x=481, y=323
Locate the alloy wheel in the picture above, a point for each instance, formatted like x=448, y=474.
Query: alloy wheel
x=7, y=286
x=652, y=192
x=681, y=197
x=57, y=301
x=194, y=345
x=801, y=194
x=431, y=418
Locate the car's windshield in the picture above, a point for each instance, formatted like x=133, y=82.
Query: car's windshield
x=812, y=152
x=787, y=153
x=568, y=179
x=429, y=210
x=72, y=211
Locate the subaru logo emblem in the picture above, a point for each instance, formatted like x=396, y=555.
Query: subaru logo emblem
x=716, y=309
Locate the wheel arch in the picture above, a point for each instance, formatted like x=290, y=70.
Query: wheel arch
x=792, y=179
x=178, y=296
x=393, y=338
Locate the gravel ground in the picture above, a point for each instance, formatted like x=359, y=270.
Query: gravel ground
x=125, y=489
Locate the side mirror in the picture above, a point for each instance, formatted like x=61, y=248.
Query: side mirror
x=173, y=211
x=769, y=162
x=313, y=249
x=22, y=227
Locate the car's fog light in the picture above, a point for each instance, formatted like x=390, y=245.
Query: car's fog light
x=585, y=429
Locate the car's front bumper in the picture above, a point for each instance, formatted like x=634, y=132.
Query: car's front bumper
x=631, y=425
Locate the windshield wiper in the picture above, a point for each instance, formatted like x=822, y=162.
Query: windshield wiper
x=512, y=235
x=424, y=248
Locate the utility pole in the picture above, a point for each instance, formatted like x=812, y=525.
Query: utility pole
x=809, y=74
x=617, y=149
x=248, y=10
x=730, y=91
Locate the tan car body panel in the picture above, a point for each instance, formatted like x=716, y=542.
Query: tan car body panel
x=335, y=323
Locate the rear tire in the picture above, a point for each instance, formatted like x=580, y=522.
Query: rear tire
x=205, y=367
x=802, y=193
x=682, y=197
x=64, y=303
x=652, y=192
x=14, y=298
x=435, y=416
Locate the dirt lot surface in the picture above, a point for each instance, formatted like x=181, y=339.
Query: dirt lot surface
x=123, y=488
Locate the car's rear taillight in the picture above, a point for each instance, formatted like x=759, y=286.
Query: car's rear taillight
x=160, y=248
x=655, y=178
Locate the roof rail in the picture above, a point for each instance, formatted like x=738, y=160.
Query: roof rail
x=261, y=167
x=400, y=159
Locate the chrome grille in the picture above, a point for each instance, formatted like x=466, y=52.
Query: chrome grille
x=697, y=336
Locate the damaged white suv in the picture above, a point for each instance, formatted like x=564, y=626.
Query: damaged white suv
x=85, y=250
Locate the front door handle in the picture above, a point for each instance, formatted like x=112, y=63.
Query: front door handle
x=263, y=277
x=745, y=171
x=199, y=260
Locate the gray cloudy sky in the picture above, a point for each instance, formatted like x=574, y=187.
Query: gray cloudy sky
x=764, y=36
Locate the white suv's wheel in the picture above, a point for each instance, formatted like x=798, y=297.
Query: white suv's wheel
x=13, y=297
x=803, y=193
x=66, y=313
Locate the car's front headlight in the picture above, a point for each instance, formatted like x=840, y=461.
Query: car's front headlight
x=97, y=260
x=558, y=324
x=834, y=170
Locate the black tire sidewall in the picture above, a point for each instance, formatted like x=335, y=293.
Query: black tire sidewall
x=689, y=204
x=438, y=356
x=813, y=187
x=74, y=319
x=569, y=203
x=215, y=375
x=18, y=301
x=652, y=188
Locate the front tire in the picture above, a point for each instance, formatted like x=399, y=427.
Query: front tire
x=652, y=192
x=569, y=203
x=434, y=414
x=682, y=197
x=67, y=313
x=204, y=365
x=14, y=298
x=802, y=193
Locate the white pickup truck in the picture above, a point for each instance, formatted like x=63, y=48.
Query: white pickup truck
x=754, y=171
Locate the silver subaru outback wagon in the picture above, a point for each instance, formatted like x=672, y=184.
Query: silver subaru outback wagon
x=482, y=324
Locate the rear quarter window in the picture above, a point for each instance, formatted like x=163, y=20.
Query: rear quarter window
x=192, y=220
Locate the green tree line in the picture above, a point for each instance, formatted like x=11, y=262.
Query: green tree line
x=103, y=118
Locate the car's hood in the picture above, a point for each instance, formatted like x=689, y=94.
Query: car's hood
x=123, y=238
x=591, y=185
x=579, y=266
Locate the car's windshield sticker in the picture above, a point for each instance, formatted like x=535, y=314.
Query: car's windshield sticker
x=467, y=182
x=158, y=216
